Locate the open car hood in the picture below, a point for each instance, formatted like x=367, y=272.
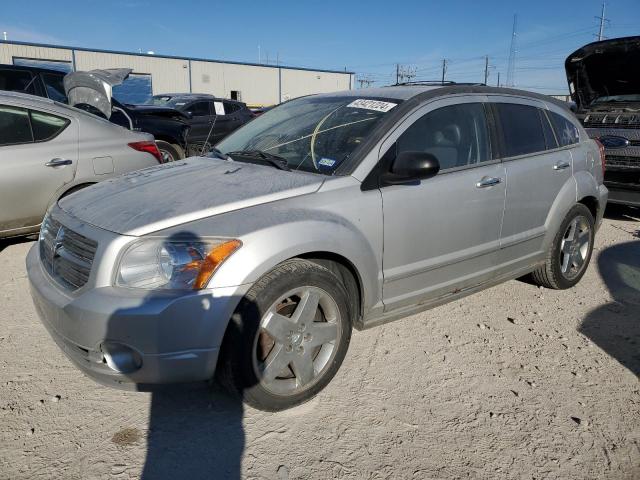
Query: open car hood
x=606, y=68
x=94, y=87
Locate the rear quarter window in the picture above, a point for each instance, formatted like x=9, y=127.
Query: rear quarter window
x=46, y=126
x=566, y=132
x=521, y=128
x=14, y=125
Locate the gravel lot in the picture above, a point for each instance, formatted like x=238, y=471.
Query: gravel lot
x=514, y=382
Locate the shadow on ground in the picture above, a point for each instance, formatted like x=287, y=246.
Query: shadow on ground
x=195, y=431
x=7, y=242
x=615, y=327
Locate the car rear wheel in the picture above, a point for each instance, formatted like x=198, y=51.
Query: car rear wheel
x=570, y=252
x=288, y=337
x=170, y=152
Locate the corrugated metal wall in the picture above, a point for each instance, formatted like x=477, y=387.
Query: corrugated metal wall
x=257, y=84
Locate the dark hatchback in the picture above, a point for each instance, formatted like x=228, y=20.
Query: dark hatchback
x=604, y=81
x=211, y=119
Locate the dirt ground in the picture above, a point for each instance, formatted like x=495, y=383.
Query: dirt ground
x=514, y=382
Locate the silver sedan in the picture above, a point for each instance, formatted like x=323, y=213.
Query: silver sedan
x=49, y=150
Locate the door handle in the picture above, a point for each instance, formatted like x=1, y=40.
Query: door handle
x=488, y=182
x=561, y=165
x=58, y=162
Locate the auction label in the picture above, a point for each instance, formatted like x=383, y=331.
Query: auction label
x=377, y=105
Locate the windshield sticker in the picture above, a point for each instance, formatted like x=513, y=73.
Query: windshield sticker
x=326, y=162
x=377, y=105
x=219, y=108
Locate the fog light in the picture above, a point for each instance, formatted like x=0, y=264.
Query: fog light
x=121, y=358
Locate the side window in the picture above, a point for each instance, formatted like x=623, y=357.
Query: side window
x=14, y=126
x=17, y=81
x=566, y=131
x=521, y=128
x=549, y=137
x=199, y=109
x=46, y=126
x=55, y=87
x=230, y=108
x=456, y=135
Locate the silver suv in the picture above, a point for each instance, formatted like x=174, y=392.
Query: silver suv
x=327, y=213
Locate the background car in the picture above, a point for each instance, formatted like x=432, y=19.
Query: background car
x=203, y=110
x=605, y=84
x=166, y=124
x=49, y=150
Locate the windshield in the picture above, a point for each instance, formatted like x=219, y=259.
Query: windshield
x=618, y=98
x=314, y=134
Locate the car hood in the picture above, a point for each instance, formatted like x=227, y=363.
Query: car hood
x=145, y=201
x=609, y=67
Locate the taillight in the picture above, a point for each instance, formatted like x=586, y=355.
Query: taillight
x=149, y=147
x=603, y=161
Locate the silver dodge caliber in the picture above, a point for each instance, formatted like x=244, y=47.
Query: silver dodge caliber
x=327, y=213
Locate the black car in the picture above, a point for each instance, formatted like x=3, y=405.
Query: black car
x=34, y=81
x=168, y=125
x=604, y=81
x=211, y=118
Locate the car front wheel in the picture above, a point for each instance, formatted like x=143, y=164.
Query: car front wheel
x=288, y=337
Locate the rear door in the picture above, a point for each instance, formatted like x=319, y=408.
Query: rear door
x=201, y=118
x=38, y=156
x=442, y=234
x=537, y=170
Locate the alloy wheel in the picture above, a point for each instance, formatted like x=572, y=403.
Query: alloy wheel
x=574, y=248
x=297, y=340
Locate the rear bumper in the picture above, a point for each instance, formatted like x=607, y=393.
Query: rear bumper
x=132, y=339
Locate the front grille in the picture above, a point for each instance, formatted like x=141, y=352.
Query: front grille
x=622, y=161
x=66, y=254
x=611, y=120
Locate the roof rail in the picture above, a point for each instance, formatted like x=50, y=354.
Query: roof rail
x=434, y=83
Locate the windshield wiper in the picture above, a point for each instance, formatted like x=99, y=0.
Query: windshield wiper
x=273, y=160
x=215, y=153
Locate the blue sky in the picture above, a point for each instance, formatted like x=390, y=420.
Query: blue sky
x=365, y=37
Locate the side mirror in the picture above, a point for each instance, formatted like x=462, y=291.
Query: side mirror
x=189, y=115
x=411, y=167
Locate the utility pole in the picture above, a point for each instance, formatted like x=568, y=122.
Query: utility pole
x=364, y=81
x=498, y=83
x=511, y=70
x=602, y=19
x=486, y=69
x=397, y=73
x=259, y=55
x=444, y=69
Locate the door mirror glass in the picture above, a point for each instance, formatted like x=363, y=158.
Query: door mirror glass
x=410, y=166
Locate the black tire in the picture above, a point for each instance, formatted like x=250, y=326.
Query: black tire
x=237, y=368
x=170, y=151
x=550, y=274
x=75, y=189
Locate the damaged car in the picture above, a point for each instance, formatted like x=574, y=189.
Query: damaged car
x=328, y=213
x=92, y=91
x=604, y=82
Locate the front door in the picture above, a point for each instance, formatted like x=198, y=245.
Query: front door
x=200, y=122
x=442, y=234
x=38, y=156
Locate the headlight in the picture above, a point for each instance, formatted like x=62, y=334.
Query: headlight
x=157, y=263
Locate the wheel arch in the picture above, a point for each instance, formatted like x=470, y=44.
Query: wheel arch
x=348, y=273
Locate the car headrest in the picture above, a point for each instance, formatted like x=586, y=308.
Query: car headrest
x=448, y=136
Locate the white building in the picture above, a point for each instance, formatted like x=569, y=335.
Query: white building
x=254, y=84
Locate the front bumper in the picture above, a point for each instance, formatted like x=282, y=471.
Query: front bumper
x=132, y=339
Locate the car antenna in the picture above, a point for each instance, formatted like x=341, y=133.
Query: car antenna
x=213, y=124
